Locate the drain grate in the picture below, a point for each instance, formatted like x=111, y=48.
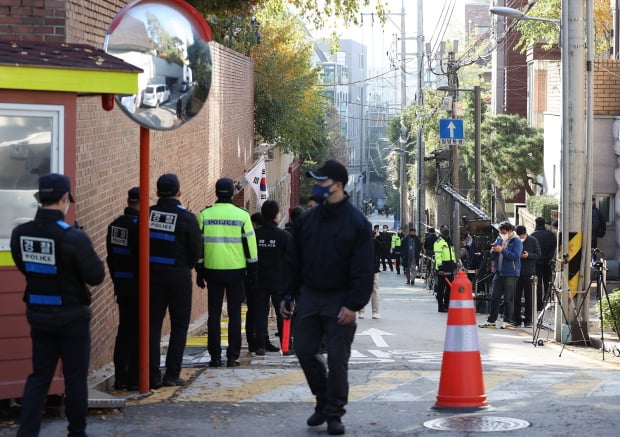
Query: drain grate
x=476, y=423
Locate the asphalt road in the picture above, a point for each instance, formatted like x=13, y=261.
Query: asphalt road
x=395, y=372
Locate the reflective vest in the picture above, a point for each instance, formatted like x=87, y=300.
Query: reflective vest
x=443, y=253
x=229, y=241
x=396, y=243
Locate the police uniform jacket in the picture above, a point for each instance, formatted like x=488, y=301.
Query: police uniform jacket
x=58, y=260
x=174, y=234
x=331, y=252
x=271, y=242
x=396, y=242
x=445, y=260
x=122, y=246
x=229, y=243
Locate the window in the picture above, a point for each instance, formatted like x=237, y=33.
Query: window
x=30, y=139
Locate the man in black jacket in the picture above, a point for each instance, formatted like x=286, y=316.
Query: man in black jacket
x=531, y=254
x=58, y=261
x=271, y=242
x=548, y=248
x=329, y=268
x=176, y=246
x=122, y=260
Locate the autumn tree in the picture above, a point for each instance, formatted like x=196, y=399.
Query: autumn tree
x=289, y=105
x=534, y=32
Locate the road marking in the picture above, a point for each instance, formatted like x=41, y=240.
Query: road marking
x=377, y=336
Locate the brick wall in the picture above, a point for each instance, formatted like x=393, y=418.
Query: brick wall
x=33, y=20
x=216, y=143
x=607, y=87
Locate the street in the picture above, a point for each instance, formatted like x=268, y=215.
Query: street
x=394, y=375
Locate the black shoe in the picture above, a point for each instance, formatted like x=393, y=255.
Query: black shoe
x=335, y=426
x=170, y=381
x=155, y=384
x=270, y=347
x=260, y=352
x=232, y=363
x=119, y=386
x=215, y=363
x=132, y=387
x=316, y=419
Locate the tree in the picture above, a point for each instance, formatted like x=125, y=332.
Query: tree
x=512, y=153
x=534, y=32
x=289, y=105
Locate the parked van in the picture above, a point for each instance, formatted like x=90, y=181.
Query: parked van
x=155, y=94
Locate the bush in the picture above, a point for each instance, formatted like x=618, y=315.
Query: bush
x=541, y=206
x=608, y=320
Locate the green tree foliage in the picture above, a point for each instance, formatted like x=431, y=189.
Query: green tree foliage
x=512, y=153
x=534, y=32
x=289, y=106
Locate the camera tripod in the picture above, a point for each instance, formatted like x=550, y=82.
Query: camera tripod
x=599, y=268
x=551, y=296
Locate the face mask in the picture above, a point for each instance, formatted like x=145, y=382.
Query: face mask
x=505, y=237
x=522, y=239
x=321, y=192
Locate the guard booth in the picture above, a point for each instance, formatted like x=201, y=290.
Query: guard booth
x=40, y=87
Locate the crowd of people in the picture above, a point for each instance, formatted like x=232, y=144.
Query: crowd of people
x=320, y=271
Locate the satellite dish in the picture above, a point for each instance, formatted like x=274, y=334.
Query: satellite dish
x=169, y=41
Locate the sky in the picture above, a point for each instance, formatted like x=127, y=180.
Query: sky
x=381, y=39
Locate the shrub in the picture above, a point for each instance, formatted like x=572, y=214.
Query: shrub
x=608, y=320
x=541, y=206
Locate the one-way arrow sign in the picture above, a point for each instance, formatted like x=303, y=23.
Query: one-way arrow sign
x=377, y=336
x=451, y=131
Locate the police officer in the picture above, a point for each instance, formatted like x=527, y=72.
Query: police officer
x=445, y=264
x=175, y=244
x=329, y=275
x=230, y=255
x=122, y=260
x=271, y=242
x=58, y=261
x=396, y=242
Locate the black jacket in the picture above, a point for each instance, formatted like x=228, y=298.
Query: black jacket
x=548, y=244
x=122, y=247
x=271, y=242
x=528, y=265
x=57, y=260
x=175, y=237
x=332, y=252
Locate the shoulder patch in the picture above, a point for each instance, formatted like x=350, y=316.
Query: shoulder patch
x=63, y=224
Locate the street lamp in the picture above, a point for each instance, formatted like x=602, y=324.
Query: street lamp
x=575, y=210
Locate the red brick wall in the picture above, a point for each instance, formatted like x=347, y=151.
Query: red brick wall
x=33, y=20
x=607, y=87
x=218, y=142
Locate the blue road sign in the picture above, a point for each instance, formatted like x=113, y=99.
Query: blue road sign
x=451, y=131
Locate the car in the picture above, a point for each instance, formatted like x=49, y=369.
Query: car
x=155, y=94
x=184, y=87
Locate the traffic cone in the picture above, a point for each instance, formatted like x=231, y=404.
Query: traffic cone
x=461, y=383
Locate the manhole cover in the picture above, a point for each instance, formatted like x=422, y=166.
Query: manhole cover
x=476, y=423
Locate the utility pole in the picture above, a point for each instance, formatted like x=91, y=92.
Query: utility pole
x=453, y=84
x=421, y=197
x=404, y=198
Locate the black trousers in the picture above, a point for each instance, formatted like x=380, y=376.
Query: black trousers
x=171, y=290
x=63, y=335
x=387, y=257
x=256, y=327
x=316, y=316
x=234, y=296
x=442, y=289
x=126, y=344
x=543, y=271
x=523, y=290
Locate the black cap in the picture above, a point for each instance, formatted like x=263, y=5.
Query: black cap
x=332, y=169
x=224, y=188
x=168, y=185
x=52, y=187
x=133, y=195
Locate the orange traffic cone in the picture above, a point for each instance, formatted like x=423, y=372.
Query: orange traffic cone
x=461, y=383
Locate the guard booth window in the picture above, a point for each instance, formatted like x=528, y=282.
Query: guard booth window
x=30, y=139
